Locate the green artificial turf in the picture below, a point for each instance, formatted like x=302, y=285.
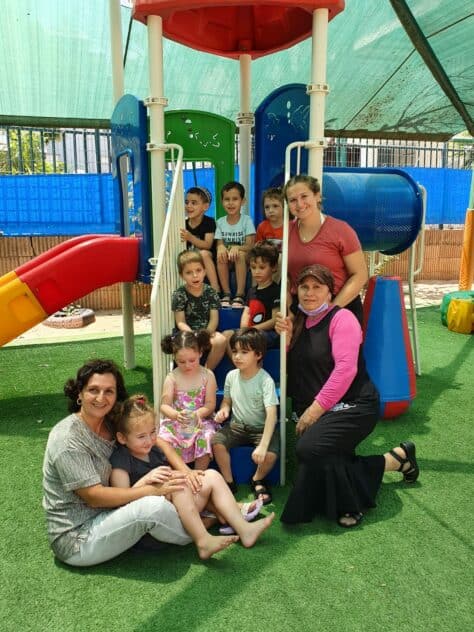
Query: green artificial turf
x=408, y=567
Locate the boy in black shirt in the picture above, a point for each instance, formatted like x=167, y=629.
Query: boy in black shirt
x=263, y=299
x=200, y=229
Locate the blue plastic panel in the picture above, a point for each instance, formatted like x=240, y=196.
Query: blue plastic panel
x=282, y=118
x=129, y=138
x=386, y=355
x=57, y=205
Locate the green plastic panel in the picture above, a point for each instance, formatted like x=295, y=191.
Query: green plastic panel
x=204, y=137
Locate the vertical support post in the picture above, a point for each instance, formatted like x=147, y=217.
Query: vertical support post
x=372, y=257
x=118, y=90
x=245, y=122
x=156, y=102
x=317, y=91
x=466, y=269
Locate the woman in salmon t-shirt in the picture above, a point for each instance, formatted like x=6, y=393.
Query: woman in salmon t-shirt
x=318, y=238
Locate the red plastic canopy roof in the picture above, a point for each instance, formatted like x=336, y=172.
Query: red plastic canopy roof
x=235, y=27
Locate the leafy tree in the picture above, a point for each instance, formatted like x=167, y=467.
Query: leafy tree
x=24, y=152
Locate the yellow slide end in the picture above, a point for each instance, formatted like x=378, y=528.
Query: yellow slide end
x=6, y=278
x=19, y=308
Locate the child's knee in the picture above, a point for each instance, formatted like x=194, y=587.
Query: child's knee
x=219, y=340
x=211, y=476
x=242, y=258
x=218, y=447
x=271, y=457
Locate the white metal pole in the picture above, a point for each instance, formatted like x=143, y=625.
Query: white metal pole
x=317, y=91
x=126, y=289
x=245, y=122
x=116, y=49
x=156, y=103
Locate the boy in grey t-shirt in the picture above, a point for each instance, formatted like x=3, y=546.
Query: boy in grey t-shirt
x=250, y=393
x=235, y=235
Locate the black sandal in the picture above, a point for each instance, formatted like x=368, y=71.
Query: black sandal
x=226, y=300
x=411, y=474
x=356, y=516
x=238, y=301
x=263, y=490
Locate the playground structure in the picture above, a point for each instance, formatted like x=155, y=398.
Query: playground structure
x=172, y=18
x=157, y=232
x=175, y=19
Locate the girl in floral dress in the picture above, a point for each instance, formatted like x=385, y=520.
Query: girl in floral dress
x=189, y=398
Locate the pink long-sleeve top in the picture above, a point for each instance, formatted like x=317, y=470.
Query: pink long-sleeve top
x=345, y=334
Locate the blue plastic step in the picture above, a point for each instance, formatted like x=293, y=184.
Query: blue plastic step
x=243, y=467
x=229, y=318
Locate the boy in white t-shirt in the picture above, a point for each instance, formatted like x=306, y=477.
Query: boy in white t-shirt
x=235, y=236
x=250, y=393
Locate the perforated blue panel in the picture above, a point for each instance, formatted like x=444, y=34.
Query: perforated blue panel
x=57, y=205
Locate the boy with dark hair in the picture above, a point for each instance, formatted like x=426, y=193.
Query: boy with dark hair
x=200, y=229
x=235, y=235
x=250, y=393
x=263, y=298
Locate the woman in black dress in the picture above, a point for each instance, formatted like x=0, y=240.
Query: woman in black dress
x=337, y=407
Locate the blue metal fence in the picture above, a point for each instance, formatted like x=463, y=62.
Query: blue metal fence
x=57, y=205
x=447, y=193
x=79, y=204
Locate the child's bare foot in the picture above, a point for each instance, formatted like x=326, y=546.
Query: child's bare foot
x=253, y=530
x=211, y=544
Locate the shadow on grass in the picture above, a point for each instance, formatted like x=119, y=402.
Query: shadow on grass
x=444, y=381
x=426, y=510
x=389, y=504
x=160, y=567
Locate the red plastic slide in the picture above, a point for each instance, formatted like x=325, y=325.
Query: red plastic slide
x=62, y=275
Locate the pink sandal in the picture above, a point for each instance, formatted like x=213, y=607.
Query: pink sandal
x=247, y=514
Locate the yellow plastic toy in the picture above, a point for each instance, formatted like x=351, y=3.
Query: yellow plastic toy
x=460, y=315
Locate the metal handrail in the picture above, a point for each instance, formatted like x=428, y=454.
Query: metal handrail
x=165, y=271
x=283, y=308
